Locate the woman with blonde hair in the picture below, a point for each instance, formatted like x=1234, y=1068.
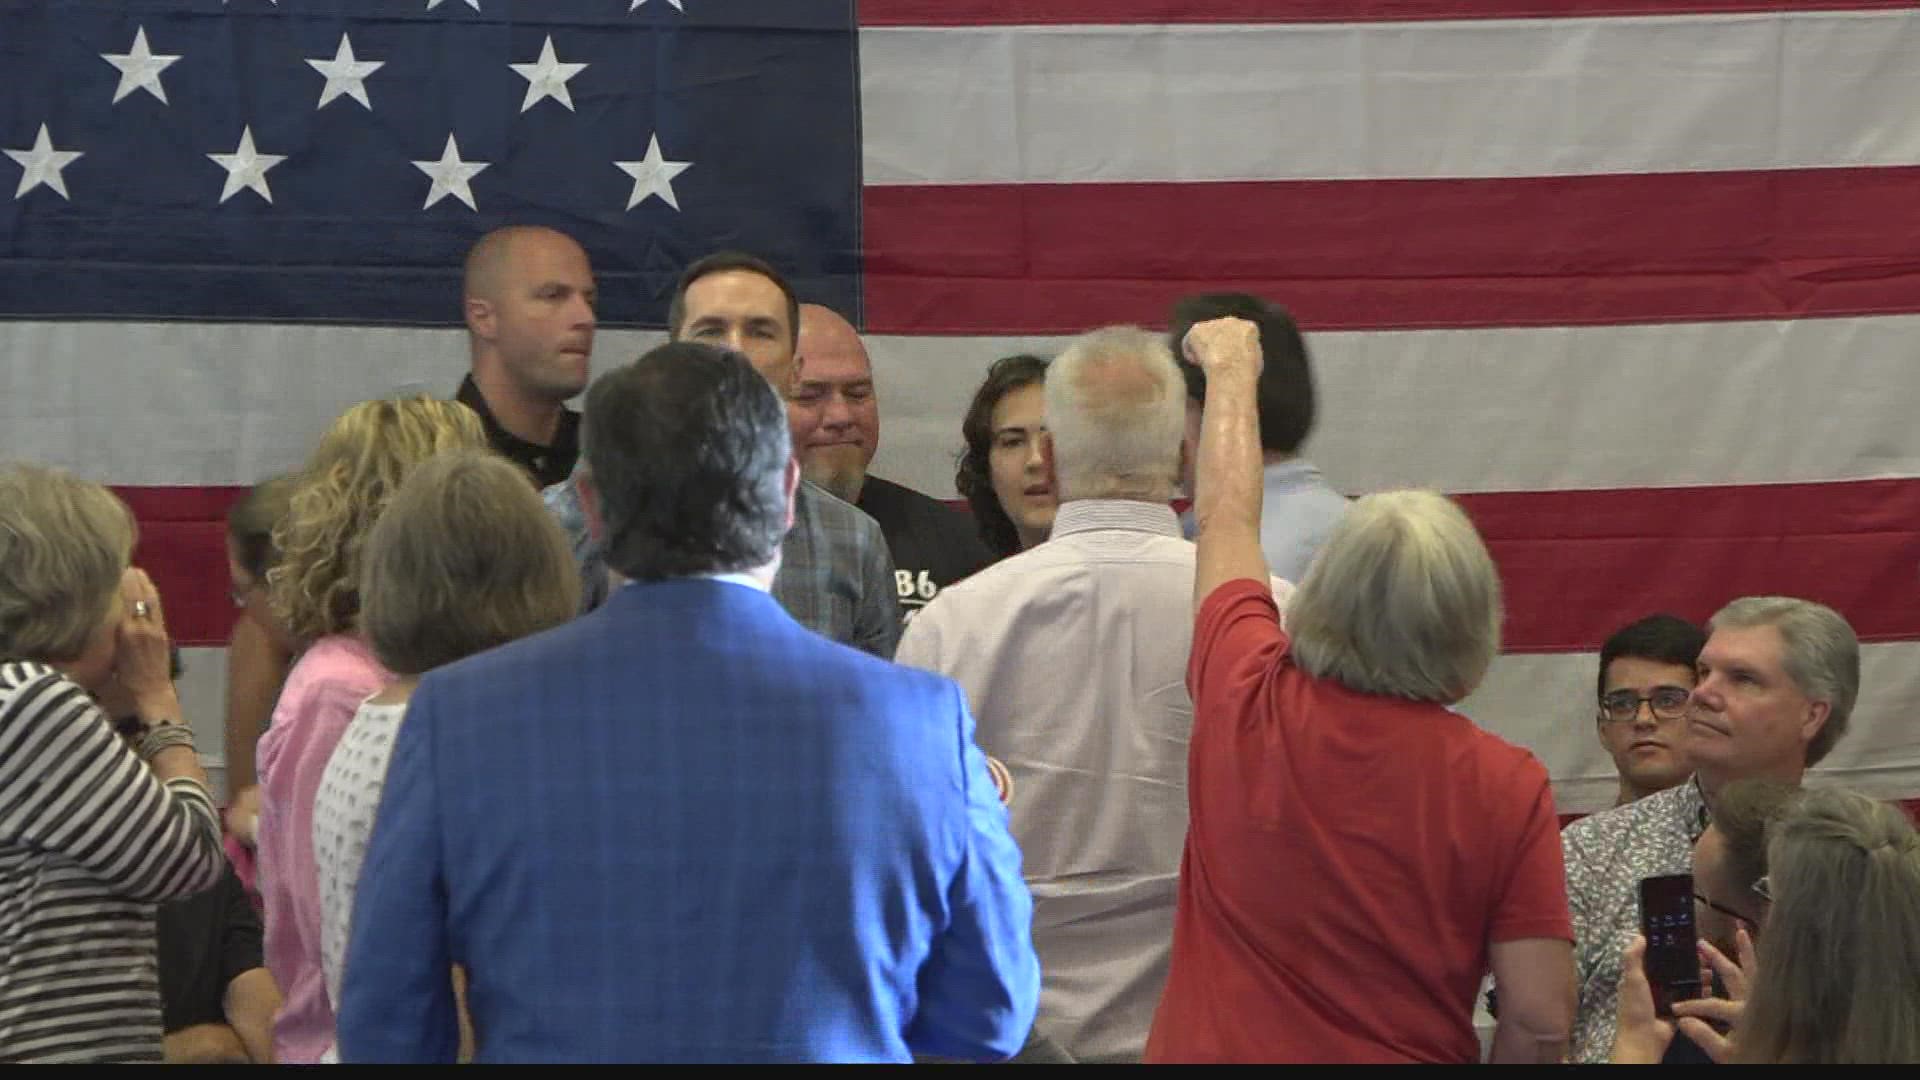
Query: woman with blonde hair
x=1837, y=977
x=1358, y=853
x=465, y=558
x=94, y=830
x=315, y=593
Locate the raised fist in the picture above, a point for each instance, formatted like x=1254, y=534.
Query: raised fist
x=1222, y=344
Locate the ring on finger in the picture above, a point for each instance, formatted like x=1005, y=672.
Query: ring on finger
x=141, y=610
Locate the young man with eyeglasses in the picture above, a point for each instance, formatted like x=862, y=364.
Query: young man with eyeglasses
x=1646, y=673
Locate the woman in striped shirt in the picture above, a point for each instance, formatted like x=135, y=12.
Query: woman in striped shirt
x=93, y=832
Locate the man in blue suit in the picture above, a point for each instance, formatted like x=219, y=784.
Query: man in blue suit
x=683, y=827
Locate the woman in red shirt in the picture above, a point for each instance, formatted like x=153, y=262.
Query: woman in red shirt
x=1359, y=855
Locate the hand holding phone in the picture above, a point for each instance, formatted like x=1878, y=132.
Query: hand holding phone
x=1673, y=954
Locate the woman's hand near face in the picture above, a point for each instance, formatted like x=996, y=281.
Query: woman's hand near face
x=143, y=662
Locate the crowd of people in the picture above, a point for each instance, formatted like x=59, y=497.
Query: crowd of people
x=664, y=731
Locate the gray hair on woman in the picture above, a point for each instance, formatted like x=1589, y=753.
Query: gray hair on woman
x=1841, y=963
x=1402, y=601
x=465, y=557
x=64, y=542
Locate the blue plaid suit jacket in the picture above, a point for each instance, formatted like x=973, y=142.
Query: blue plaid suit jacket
x=684, y=828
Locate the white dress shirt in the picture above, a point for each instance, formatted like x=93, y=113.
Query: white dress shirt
x=1074, y=658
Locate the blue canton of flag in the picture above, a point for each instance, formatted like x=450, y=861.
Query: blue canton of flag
x=302, y=160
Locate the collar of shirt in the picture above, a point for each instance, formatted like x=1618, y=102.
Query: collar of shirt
x=1694, y=805
x=1087, y=515
x=802, y=503
x=1679, y=811
x=566, y=437
x=1292, y=473
x=748, y=580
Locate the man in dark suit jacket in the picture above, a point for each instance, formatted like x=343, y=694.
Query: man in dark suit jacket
x=684, y=827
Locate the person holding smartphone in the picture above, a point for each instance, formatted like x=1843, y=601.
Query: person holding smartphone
x=1833, y=983
x=1725, y=901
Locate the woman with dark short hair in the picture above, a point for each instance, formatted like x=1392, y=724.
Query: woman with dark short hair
x=259, y=650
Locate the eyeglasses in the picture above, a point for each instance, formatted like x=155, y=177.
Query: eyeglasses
x=1667, y=702
x=1761, y=889
x=1727, y=911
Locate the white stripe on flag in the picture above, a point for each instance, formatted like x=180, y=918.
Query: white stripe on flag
x=1527, y=409
x=1497, y=98
x=203, y=699
x=1463, y=410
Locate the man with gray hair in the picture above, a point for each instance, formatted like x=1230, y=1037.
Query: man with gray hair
x=1777, y=682
x=1074, y=657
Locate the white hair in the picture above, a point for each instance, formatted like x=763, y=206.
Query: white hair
x=1116, y=410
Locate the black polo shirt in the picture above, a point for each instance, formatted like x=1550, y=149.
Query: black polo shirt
x=206, y=941
x=548, y=464
x=933, y=545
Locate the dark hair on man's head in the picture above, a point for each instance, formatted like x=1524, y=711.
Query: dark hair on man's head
x=1286, y=399
x=251, y=521
x=974, y=476
x=687, y=449
x=1663, y=639
x=721, y=262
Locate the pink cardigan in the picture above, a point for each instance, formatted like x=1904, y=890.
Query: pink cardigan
x=322, y=693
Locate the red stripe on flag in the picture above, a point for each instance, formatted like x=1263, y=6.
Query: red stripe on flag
x=1365, y=254
x=1576, y=565
x=1130, y=12
x=183, y=546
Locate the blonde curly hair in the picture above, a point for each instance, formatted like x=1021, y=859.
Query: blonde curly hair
x=359, y=464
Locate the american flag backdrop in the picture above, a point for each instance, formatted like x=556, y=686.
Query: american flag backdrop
x=1638, y=279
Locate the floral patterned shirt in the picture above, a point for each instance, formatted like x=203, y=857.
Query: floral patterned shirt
x=1606, y=855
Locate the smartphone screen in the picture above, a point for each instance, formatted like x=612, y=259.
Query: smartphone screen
x=1666, y=920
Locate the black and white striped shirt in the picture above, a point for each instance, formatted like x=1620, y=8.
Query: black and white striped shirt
x=90, y=841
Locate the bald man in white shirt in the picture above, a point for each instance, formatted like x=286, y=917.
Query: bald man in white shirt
x=1073, y=655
